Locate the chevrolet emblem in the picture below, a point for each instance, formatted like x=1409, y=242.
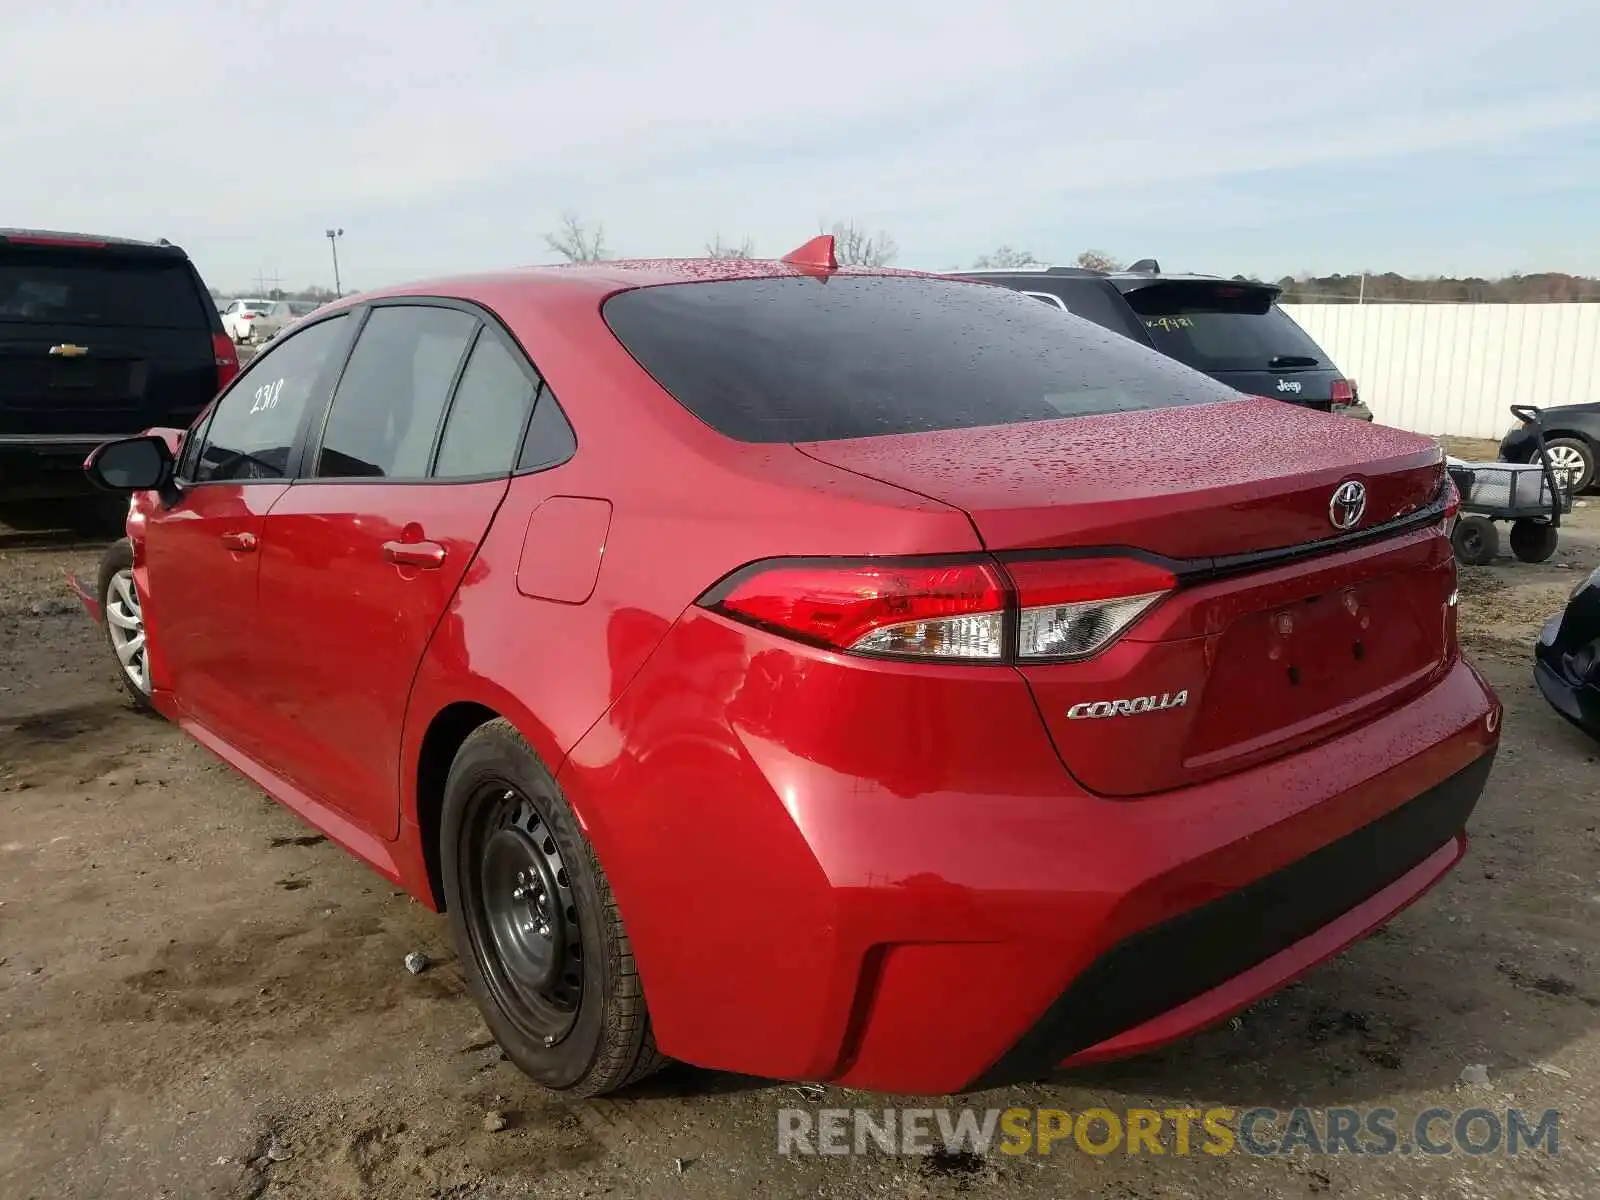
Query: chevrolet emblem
x=68, y=350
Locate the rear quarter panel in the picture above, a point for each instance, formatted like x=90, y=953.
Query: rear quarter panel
x=687, y=507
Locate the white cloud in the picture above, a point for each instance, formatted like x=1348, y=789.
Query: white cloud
x=444, y=137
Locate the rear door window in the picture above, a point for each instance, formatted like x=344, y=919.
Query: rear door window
x=40, y=287
x=803, y=359
x=1223, y=327
x=385, y=416
x=491, y=405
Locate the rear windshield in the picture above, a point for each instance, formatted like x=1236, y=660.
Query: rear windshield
x=806, y=359
x=56, y=290
x=1224, y=328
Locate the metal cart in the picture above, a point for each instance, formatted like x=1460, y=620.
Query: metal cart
x=1526, y=494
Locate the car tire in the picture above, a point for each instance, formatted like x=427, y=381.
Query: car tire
x=1533, y=541
x=122, y=614
x=535, y=925
x=1476, y=541
x=1574, y=454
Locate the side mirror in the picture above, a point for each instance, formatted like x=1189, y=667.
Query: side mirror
x=133, y=464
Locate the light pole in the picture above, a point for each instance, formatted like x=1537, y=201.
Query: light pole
x=333, y=244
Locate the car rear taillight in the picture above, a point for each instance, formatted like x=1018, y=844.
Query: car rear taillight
x=973, y=610
x=915, y=610
x=1452, y=498
x=227, y=359
x=1344, y=391
x=1071, y=608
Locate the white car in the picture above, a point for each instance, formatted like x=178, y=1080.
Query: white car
x=279, y=315
x=238, y=319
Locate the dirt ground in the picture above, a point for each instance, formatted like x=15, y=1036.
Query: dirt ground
x=201, y=998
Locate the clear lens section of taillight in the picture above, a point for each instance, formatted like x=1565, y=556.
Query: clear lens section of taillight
x=1077, y=630
x=1073, y=607
x=978, y=636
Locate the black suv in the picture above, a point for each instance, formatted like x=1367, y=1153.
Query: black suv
x=1230, y=329
x=99, y=338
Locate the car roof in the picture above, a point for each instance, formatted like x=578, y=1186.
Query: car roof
x=601, y=279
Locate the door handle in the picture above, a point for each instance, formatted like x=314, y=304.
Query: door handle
x=429, y=555
x=242, y=542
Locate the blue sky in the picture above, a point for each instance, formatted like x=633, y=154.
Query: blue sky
x=1219, y=135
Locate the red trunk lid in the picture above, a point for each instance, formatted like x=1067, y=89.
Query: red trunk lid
x=1190, y=482
x=1242, y=666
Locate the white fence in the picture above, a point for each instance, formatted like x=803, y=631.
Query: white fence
x=1455, y=368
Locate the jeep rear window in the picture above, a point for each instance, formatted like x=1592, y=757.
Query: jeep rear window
x=39, y=287
x=799, y=359
x=1223, y=327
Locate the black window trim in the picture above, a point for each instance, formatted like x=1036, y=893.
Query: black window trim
x=302, y=430
x=304, y=465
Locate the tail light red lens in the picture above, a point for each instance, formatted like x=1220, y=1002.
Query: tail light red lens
x=1452, y=498
x=227, y=359
x=918, y=610
x=976, y=610
x=1344, y=391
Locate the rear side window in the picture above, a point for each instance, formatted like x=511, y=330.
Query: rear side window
x=44, y=288
x=386, y=412
x=486, y=418
x=805, y=359
x=254, y=426
x=1222, y=327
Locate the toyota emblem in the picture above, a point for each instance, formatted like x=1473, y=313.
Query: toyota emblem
x=1348, y=503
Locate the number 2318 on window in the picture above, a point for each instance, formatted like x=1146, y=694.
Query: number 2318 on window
x=267, y=396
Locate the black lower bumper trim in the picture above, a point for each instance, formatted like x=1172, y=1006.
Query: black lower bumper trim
x=1159, y=968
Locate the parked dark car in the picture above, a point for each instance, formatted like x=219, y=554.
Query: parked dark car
x=1566, y=658
x=1230, y=329
x=99, y=337
x=1571, y=434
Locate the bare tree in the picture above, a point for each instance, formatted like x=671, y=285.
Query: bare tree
x=854, y=247
x=717, y=249
x=1003, y=259
x=1098, y=260
x=576, y=242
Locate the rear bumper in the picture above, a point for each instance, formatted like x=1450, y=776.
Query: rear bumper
x=853, y=875
x=1200, y=966
x=48, y=466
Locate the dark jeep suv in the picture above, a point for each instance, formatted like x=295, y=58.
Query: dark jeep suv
x=99, y=337
x=1230, y=329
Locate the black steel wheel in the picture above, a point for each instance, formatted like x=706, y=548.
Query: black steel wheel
x=1475, y=539
x=541, y=942
x=521, y=913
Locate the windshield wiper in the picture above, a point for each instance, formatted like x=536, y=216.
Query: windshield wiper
x=1284, y=361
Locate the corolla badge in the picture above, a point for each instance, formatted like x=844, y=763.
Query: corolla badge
x=1349, y=501
x=1127, y=708
x=1289, y=385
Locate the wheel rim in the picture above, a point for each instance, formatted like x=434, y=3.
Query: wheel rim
x=125, y=621
x=1567, y=464
x=522, y=914
x=1471, y=541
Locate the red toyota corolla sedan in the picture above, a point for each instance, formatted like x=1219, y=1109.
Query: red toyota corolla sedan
x=816, y=673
